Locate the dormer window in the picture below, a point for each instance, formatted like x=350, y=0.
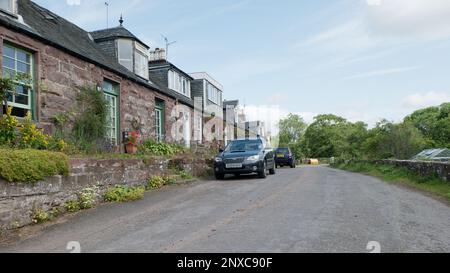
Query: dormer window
x=179, y=83
x=125, y=50
x=133, y=56
x=141, y=61
x=8, y=6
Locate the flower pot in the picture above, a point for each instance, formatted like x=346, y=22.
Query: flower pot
x=131, y=149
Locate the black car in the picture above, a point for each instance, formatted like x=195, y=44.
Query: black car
x=284, y=157
x=245, y=156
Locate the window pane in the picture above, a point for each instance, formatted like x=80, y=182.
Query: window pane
x=8, y=51
x=8, y=73
x=23, y=57
x=23, y=68
x=8, y=62
x=21, y=99
x=21, y=90
x=126, y=53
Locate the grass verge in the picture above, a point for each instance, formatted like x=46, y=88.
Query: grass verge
x=401, y=176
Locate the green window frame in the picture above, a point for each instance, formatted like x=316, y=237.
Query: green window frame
x=160, y=120
x=111, y=92
x=19, y=61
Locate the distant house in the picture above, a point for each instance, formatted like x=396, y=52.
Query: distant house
x=175, y=81
x=61, y=57
x=208, y=99
x=234, y=123
x=434, y=155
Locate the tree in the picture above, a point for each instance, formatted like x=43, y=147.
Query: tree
x=434, y=123
x=399, y=141
x=292, y=130
x=326, y=136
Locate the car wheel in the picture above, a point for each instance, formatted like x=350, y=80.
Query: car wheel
x=263, y=173
x=273, y=171
x=219, y=176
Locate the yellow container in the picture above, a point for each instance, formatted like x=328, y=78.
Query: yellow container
x=315, y=162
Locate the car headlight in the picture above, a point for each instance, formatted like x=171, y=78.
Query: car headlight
x=218, y=159
x=253, y=158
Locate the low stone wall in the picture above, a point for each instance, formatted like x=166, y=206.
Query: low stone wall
x=19, y=200
x=423, y=168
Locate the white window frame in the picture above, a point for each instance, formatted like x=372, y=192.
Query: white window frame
x=126, y=62
x=179, y=83
x=141, y=68
x=12, y=9
x=29, y=85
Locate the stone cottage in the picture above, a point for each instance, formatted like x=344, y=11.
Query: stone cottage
x=60, y=57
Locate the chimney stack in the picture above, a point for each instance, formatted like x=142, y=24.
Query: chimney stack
x=158, y=54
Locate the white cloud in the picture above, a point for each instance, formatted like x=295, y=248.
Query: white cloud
x=382, y=72
x=423, y=100
x=410, y=18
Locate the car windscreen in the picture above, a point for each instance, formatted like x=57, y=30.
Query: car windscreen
x=282, y=150
x=244, y=146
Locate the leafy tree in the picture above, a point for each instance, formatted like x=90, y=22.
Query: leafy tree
x=399, y=141
x=292, y=130
x=326, y=136
x=434, y=123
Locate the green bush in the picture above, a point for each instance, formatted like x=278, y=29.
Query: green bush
x=124, y=194
x=87, y=197
x=152, y=147
x=89, y=125
x=8, y=124
x=185, y=175
x=72, y=206
x=155, y=182
x=31, y=165
x=39, y=216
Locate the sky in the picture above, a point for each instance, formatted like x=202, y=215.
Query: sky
x=364, y=60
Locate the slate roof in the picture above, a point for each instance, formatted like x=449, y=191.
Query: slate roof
x=52, y=29
x=163, y=86
x=114, y=33
x=166, y=64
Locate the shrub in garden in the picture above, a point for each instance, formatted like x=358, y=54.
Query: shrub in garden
x=30, y=136
x=8, y=124
x=88, y=197
x=124, y=194
x=185, y=175
x=155, y=182
x=72, y=206
x=39, y=216
x=31, y=165
x=159, y=148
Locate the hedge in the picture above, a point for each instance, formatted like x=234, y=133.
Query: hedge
x=29, y=166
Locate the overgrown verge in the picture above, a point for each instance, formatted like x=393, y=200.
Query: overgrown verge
x=28, y=166
x=399, y=175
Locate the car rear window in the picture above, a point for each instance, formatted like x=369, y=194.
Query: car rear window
x=244, y=146
x=283, y=150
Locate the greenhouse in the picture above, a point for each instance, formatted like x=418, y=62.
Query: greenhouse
x=442, y=155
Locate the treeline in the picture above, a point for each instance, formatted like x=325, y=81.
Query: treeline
x=334, y=136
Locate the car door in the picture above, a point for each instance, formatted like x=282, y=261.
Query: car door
x=270, y=156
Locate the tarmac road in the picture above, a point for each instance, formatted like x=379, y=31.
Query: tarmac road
x=308, y=209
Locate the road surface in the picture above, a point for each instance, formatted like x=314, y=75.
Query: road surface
x=308, y=209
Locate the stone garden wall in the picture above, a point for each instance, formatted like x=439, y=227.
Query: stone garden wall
x=19, y=200
x=423, y=168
